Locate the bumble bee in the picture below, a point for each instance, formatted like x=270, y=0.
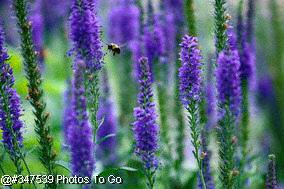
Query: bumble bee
x=114, y=48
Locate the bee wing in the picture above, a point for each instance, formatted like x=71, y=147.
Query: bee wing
x=123, y=45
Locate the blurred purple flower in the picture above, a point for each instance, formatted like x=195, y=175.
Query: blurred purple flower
x=177, y=7
x=145, y=127
x=232, y=38
x=10, y=110
x=38, y=30
x=265, y=88
x=190, y=71
x=68, y=112
x=170, y=31
x=246, y=52
x=137, y=51
x=228, y=81
x=124, y=22
x=154, y=40
x=250, y=21
x=80, y=135
x=106, y=150
x=247, y=59
x=85, y=34
x=55, y=12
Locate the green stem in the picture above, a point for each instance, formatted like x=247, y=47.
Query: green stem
x=193, y=120
x=190, y=18
x=93, y=94
x=227, y=142
x=150, y=175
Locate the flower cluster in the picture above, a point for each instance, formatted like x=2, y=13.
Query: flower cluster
x=190, y=71
x=124, y=22
x=85, y=34
x=145, y=127
x=10, y=110
x=80, y=134
x=228, y=80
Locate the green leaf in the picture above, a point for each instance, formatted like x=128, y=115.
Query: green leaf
x=110, y=171
x=64, y=165
x=105, y=138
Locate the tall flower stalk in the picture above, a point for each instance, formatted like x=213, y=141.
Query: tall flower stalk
x=85, y=35
x=145, y=128
x=190, y=92
x=80, y=134
x=229, y=99
x=35, y=92
x=220, y=25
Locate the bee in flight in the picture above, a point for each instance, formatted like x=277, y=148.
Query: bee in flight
x=114, y=48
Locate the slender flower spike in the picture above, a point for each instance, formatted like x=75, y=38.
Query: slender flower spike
x=33, y=75
x=80, y=135
x=190, y=71
x=124, y=22
x=228, y=81
x=10, y=110
x=190, y=90
x=271, y=182
x=145, y=128
x=229, y=99
x=85, y=34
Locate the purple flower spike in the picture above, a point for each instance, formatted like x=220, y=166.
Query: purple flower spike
x=228, y=80
x=124, y=22
x=80, y=135
x=145, y=127
x=85, y=34
x=190, y=71
x=10, y=110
